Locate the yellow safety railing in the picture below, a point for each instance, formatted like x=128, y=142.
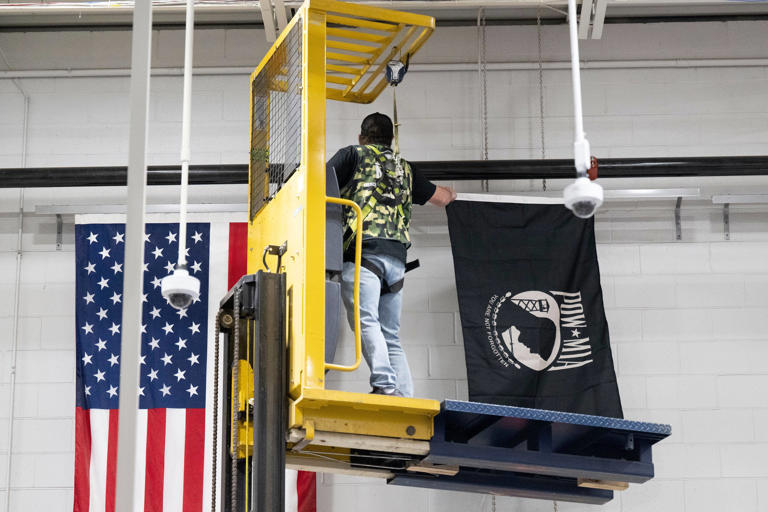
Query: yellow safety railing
x=356, y=287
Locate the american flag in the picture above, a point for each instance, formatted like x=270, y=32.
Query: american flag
x=172, y=383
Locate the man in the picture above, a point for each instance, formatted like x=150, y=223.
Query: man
x=384, y=186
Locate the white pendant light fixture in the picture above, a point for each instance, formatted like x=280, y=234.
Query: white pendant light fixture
x=583, y=197
x=181, y=289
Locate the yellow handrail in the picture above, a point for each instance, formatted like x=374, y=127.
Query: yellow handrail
x=356, y=288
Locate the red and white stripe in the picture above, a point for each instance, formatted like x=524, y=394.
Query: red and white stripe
x=169, y=462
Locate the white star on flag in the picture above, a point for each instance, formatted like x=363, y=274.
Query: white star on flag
x=113, y=360
x=195, y=328
x=155, y=312
x=104, y=253
x=88, y=297
x=197, y=237
x=146, y=237
x=165, y=390
x=169, y=267
x=156, y=282
x=92, y=238
x=182, y=313
x=115, y=298
x=171, y=237
x=87, y=390
x=115, y=328
x=168, y=328
x=88, y=328
x=575, y=332
x=154, y=343
x=152, y=375
x=157, y=252
x=119, y=237
x=166, y=359
x=91, y=267
x=104, y=283
x=117, y=267
x=141, y=390
x=112, y=391
x=99, y=375
x=101, y=344
x=102, y=314
x=196, y=267
x=87, y=359
x=193, y=359
x=182, y=343
x=192, y=390
x=180, y=375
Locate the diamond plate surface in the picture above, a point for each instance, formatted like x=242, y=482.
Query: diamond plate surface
x=555, y=417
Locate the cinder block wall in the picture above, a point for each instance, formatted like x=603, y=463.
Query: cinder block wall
x=686, y=318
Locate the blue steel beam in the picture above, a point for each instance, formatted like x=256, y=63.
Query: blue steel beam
x=508, y=484
x=540, y=463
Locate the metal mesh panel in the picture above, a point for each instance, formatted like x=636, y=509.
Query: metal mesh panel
x=276, y=130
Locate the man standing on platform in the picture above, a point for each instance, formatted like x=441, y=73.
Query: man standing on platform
x=384, y=186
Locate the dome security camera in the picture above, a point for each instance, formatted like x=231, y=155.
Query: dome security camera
x=180, y=289
x=583, y=197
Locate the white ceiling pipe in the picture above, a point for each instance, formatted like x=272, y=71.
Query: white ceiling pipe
x=180, y=288
x=186, y=115
x=583, y=197
x=581, y=145
x=415, y=68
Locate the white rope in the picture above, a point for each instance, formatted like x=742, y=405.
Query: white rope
x=541, y=96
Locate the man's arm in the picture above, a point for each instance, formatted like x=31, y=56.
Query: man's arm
x=443, y=196
x=425, y=191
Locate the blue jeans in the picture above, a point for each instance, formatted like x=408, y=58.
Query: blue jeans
x=379, y=322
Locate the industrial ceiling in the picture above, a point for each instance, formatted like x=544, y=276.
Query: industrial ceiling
x=111, y=14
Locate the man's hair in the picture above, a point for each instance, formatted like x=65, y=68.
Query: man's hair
x=377, y=129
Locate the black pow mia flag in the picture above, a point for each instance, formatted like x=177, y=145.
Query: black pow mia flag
x=531, y=307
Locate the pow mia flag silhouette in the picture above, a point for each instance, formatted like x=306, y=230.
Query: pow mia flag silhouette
x=531, y=306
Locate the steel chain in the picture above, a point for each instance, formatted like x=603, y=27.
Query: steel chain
x=235, y=398
x=482, y=69
x=215, y=445
x=541, y=95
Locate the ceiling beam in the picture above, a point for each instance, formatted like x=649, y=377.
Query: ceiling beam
x=585, y=19
x=599, y=21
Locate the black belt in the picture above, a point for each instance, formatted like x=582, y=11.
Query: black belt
x=387, y=287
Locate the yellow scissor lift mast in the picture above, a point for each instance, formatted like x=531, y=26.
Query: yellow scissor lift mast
x=339, y=51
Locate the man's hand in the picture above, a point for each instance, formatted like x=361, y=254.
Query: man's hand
x=443, y=196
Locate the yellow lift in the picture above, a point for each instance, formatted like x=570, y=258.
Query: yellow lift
x=338, y=51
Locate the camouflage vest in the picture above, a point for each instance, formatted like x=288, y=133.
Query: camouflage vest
x=382, y=189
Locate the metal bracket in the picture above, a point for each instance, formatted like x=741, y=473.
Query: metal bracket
x=727, y=221
x=275, y=250
x=678, y=226
x=59, y=225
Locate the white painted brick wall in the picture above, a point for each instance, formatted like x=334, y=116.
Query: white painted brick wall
x=687, y=320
